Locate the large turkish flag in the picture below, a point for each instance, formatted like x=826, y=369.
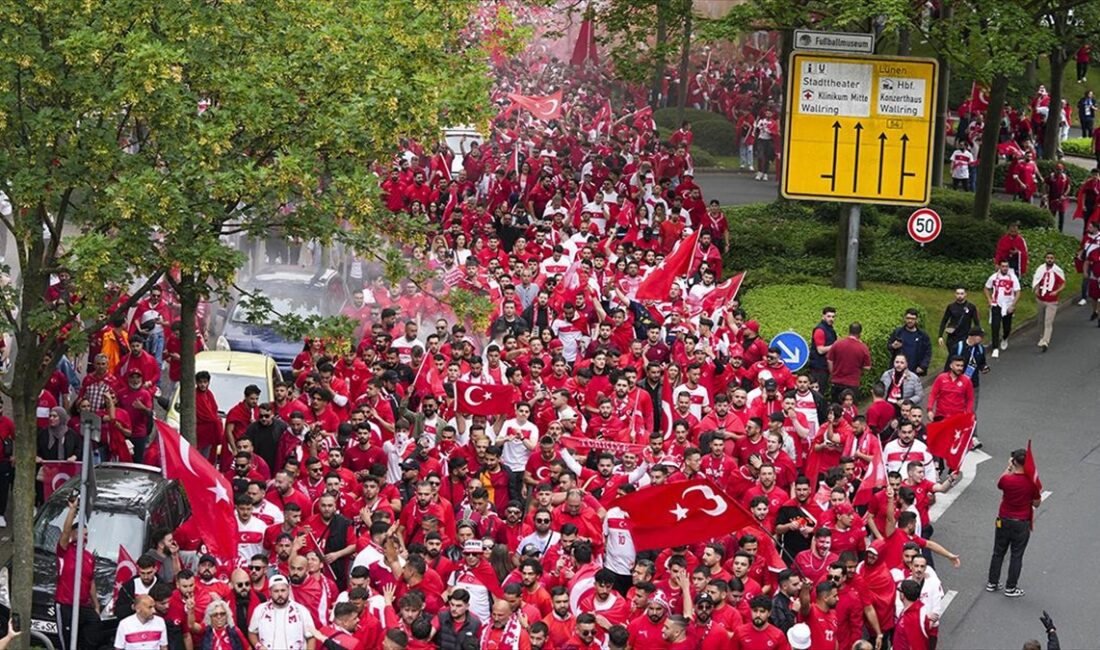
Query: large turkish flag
x=675, y=514
x=950, y=438
x=484, y=399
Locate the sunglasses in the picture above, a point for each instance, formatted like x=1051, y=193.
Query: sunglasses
x=542, y=521
x=242, y=584
x=219, y=614
x=256, y=568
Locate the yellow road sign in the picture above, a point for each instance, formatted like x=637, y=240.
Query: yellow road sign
x=859, y=129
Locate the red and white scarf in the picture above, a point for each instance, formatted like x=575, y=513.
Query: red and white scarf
x=509, y=638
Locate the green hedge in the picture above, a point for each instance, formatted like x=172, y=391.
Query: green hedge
x=789, y=307
x=1078, y=147
x=702, y=159
x=666, y=117
x=716, y=136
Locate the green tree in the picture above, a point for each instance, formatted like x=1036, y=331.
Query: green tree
x=302, y=96
x=637, y=33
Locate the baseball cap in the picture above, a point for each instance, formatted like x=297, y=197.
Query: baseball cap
x=770, y=384
x=410, y=464
x=208, y=559
x=844, y=509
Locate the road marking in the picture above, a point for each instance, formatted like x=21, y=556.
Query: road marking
x=1045, y=494
x=969, y=471
x=947, y=598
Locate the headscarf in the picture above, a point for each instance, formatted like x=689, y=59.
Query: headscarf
x=58, y=431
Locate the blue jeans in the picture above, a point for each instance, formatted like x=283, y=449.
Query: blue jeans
x=746, y=156
x=154, y=345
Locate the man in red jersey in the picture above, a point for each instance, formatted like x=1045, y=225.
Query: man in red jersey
x=1019, y=497
x=951, y=391
x=820, y=615
x=760, y=634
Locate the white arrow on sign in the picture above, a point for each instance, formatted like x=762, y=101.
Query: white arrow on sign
x=788, y=355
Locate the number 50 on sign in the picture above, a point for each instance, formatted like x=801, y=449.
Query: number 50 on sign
x=924, y=226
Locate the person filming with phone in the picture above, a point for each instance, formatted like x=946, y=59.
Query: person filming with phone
x=88, y=632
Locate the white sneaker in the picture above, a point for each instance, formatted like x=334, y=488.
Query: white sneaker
x=1082, y=302
x=765, y=177
x=1004, y=344
x=3, y=522
x=996, y=353
x=759, y=175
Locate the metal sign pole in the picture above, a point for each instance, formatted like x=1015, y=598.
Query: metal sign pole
x=851, y=277
x=89, y=428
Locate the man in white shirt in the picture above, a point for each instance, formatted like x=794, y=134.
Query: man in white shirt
x=250, y=530
x=405, y=344
x=904, y=449
x=280, y=624
x=961, y=162
x=1048, y=282
x=518, y=438
x=1002, y=290
x=700, y=398
x=142, y=630
x=542, y=537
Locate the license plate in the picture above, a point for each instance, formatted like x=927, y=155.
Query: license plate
x=45, y=627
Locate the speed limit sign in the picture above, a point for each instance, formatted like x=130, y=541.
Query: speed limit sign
x=924, y=225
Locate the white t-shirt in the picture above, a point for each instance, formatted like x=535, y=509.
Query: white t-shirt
x=286, y=628
x=132, y=634
x=404, y=347
x=514, y=453
x=961, y=161
x=619, y=552
x=1003, y=288
x=250, y=538
x=699, y=398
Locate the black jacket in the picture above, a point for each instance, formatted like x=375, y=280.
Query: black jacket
x=448, y=637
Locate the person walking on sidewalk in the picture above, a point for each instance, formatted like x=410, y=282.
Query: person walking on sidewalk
x=1002, y=290
x=958, y=317
x=1048, y=283
x=1019, y=498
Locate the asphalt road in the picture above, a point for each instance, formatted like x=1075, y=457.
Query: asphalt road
x=1050, y=398
x=733, y=188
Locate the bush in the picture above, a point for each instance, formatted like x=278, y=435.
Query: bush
x=781, y=308
x=824, y=244
x=666, y=117
x=1078, y=147
x=1028, y=216
x=702, y=159
x=716, y=136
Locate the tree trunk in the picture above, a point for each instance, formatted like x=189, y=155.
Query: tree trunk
x=987, y=155
x=1058, y=62
x=189, y=303
x=939, y=148
x=904, y=40
x=786, y=46
x=685, y=59
x=26, y=385
x=659, y=64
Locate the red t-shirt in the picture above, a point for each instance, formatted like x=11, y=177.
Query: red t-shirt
x=66, y=576
x=849, y=356
x=1018, y=492
x=747, y=637
x=823, y=629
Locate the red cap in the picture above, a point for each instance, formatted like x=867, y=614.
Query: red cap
x=753, y=325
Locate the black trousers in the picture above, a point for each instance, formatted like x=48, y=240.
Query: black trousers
x=1010, y=534
x=87, y=632
x=1002, y=326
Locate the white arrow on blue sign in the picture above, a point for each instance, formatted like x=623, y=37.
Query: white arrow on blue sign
x=793, y=350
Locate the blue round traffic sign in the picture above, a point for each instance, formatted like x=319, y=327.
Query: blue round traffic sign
x=793, y=350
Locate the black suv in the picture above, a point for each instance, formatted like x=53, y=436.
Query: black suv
x=130, y=502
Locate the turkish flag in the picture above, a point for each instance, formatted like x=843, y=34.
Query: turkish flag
x=950, y=438
x=643, y=118
x=873, y=479
x=125, y=571
x=585, y=48
x=723, y=294
x=484, y=399
x=545, y=108
x=212, y=516
x=656, y=285
x=603, y=118
x=1030, y=469
x=428, y=381
x=675, y=514
x=55, y=473
x=979, y=97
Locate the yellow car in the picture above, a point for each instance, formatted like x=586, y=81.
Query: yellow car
x=230, y=372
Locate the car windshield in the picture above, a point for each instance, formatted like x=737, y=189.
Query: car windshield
x=228, y=388
x=106, y=531
x=454, y=140
x=304, y=306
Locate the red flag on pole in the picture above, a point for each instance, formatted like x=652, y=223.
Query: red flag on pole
x=428, y=381
x=584, y=50
x=873, y=479
x=979, y=97
x=212, y=516
x=545, y=108
x=681, y=513
x=643, y=118
x=656, y=285
x=723, y=294
x=950, y=438
x=1030, y=469
x=602, y=120
x=55, y=473
x=125, y=571
x=484, y=399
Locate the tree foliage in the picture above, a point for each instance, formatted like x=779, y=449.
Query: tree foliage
x=136, y=137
